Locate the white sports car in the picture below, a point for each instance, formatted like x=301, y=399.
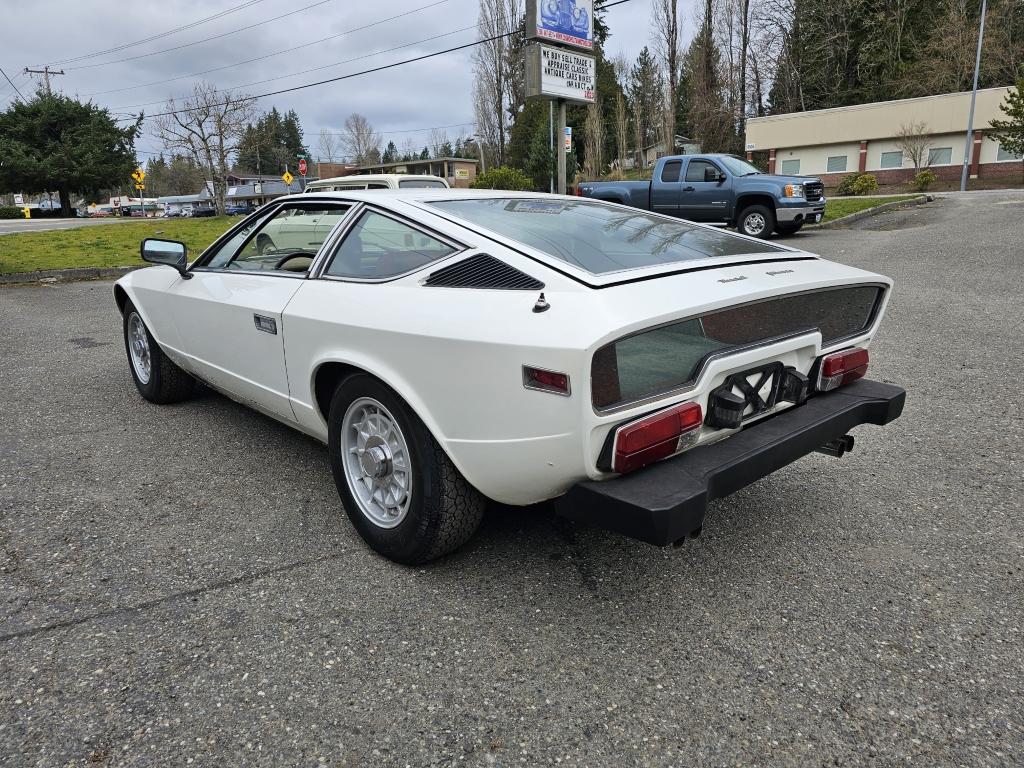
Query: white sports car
x=454, y=346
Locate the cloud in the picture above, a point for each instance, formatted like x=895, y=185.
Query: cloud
x=434, y=92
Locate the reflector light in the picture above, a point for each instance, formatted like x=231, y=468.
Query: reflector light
x=546, y=381
x=654, y=437
x=841, y=368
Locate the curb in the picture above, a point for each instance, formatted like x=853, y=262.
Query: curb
x=872, y=211
x=65, y=275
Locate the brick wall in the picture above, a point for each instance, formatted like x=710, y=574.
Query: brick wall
x=1004, y=173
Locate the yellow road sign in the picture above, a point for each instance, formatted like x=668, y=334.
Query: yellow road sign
x=288, y=178
x=140, y=186
x=139, y=175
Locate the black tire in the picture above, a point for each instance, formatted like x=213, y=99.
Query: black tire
x=756, y=221
x=444, y=511
x=167, y=382
x=785, y=230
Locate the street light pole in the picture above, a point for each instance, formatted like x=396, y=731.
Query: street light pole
x=969, y=144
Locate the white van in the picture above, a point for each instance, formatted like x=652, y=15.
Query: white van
x=376, y=181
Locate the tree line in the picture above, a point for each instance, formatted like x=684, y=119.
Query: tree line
x=744, y=58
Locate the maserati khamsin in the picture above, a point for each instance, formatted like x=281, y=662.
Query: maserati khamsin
x=454, y=346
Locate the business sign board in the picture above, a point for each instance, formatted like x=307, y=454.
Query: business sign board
x=462, y=173
x=19, y=199
x=568, y=138
x=569, y=22
x=557, y=73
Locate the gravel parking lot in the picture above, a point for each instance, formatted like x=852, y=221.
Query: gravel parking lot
x=181, y=587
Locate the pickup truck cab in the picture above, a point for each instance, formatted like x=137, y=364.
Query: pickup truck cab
x=723, y=190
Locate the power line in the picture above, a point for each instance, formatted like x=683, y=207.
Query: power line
x=275, y=53
x=205, y=39
x=317, y=69
x=372, y=70
x=12, y=84
x=159, y=35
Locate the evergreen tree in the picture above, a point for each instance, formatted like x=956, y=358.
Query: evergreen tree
x=390, y=153
x=425, y=154
x=1010, y=132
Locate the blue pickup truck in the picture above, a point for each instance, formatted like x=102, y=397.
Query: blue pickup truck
x=720, y=189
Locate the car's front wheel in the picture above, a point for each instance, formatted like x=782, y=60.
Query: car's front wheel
x=756, y=221
x=157, y=378
x=398, y=486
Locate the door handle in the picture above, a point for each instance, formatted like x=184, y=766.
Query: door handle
x=689, y=189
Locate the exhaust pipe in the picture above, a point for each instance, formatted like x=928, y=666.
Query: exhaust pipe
x=837, y=447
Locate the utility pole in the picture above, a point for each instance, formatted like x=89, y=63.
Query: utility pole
x=45, y=72
x=969, y=145
x=561, y=147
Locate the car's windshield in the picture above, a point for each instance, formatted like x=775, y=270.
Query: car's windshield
x=738, y=166
x=599, y=237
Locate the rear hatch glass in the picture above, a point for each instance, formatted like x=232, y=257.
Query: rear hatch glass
x=601, y=238
x=670, y=356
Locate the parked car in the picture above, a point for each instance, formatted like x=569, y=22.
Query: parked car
x=203, y=212
x=720, y=190
x=377, y=181
x=241, y=209
x=453, y=346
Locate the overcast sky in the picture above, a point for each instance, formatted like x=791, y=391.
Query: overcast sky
x=402, y=102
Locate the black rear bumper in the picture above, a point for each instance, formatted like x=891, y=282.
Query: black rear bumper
x=665, y=502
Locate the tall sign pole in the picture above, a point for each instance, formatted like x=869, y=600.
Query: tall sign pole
x=969, y=145
x=559, y=66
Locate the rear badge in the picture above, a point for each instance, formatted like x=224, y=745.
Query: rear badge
x=733, y=279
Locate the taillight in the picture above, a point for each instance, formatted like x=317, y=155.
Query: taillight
x=841, y=368
x=579, y=191
x=656, y=436
x=546, y=381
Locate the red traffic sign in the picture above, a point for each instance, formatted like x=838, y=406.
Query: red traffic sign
x=302, y=167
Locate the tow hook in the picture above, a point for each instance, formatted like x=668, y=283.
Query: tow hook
x=837, y=447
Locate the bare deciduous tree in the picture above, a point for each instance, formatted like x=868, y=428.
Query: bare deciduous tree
x=361, y=141
x=593, y=132
x=915, y=139
x=667, y=42
x=621, y=66
x=207, y=127
x=496, y=71
x=437, y=141
x=329, y=146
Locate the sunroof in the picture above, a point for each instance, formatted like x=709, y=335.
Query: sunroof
x=599, y=237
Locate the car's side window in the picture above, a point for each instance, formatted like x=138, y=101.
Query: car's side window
x=286, y=241
x=377, y=185
x=379, y=247
x=670, y=171
x=696, y=168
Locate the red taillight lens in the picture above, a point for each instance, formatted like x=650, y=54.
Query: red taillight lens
x=548, y=381
x=579, y=191
x=656, y=436
x=842, y=368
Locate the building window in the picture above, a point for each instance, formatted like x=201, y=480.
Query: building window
x=892, y=160
x=1004, y=154
x=940, y=156
x=790, y=167
x=837, y=164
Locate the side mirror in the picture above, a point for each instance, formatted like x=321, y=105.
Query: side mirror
x=713, y=174
x=169, y=252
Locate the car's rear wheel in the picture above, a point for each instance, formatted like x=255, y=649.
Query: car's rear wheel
x=756, y=221
x=788, y=229
x=157, y=378
x=399, y=488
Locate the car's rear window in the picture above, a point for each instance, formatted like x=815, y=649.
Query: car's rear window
x=420, y=184
x=599, y=237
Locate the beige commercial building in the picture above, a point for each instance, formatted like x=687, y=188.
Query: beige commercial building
x=830, y=143
x=459, y=171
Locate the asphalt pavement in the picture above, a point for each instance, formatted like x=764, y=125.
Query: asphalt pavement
x=181, y=587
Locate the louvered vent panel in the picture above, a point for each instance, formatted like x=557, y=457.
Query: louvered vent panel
x=483, y=271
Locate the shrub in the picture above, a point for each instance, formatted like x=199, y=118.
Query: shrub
x=10, y=212
x=503, y=178
x=923, y=180
x=864, y=184
x=845, y=187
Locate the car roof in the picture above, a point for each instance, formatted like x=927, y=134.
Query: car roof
x=366, y=177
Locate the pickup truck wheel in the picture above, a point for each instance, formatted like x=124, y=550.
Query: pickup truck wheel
x=157, y=378
x=756, y=221
x=788, y=229
x=398, y=486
